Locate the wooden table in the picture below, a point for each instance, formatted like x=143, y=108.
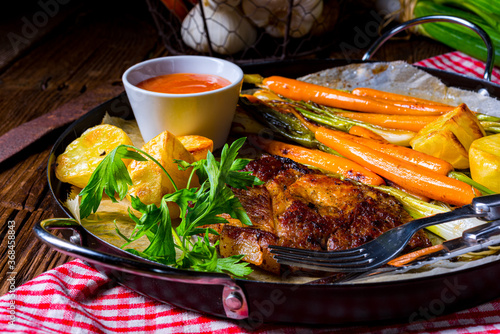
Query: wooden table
x=49, y=56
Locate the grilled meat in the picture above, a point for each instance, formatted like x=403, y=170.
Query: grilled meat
x=303, y=208
x=252, y=242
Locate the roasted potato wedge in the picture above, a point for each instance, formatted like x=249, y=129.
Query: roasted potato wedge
x=445, y=145
x=198, y=146
x=150, y=183
x=83, y=155
x=484, y=155
x=450, y=136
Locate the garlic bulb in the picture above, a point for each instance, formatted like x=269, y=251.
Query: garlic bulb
x=273, y=15
x=229, y=31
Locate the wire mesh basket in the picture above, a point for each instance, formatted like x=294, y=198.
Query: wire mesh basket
x=246, y=30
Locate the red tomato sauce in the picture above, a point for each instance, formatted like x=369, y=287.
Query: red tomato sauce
x=184, y=83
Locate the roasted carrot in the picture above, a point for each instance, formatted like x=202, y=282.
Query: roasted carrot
x=360, y=131
x=303, y=91
x=407, y=258
x=381, y=95
x=319, y=159
x=250, y=98
x=397, y=186
x=414, y=178
x=417, y=158
x=402, y=122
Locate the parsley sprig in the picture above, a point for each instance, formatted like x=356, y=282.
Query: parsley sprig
x=187, y=245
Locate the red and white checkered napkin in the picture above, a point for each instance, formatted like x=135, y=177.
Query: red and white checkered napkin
x=460, y=63
x=75, y=298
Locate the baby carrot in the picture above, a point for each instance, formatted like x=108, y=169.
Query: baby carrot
x=303, y=91
x=250, y=98
x=319, y=159
x=414, y=178
x=421, y=159
x=360, y=131
x=407, y=258
x=403, y=122
x=381, y=95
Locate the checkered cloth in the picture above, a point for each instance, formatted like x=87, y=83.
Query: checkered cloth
x=75, y=298
x=460, y=63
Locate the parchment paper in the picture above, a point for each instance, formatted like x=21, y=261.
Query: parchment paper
x=402, y=78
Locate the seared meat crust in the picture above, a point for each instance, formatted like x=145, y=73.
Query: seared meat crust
x=259, y=200
x=249, y=241
x=304, y=208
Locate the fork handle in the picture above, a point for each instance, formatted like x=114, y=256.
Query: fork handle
x=459, y=213
x=481, y=233
x=484, y=208
x=487, y=207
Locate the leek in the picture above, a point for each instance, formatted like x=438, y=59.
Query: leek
x=327, y=116
x=393, y=136
x=419, y=209
x=490, y=124
x=485, y=14
x=464, y=178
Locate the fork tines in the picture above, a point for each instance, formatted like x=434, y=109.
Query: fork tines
x=347, y=260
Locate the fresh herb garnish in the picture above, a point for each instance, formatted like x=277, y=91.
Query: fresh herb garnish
x=187, y=245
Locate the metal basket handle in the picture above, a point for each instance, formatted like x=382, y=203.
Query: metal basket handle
x=439, y=18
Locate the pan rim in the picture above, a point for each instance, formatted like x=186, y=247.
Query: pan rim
x=479, y=83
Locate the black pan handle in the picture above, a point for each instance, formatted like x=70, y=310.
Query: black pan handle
x=439, y=18
x=233, y=297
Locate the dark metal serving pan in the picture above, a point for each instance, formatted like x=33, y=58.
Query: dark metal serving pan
x=254, y=302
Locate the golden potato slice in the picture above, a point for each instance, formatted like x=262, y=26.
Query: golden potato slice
x=484, y=155
x=449, y=137
x=198, y=146
x=150, y=183
x=83, y=155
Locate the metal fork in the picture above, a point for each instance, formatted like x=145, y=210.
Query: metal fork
x=388, y=245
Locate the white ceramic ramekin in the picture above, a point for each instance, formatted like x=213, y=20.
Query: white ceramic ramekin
x=208, y=114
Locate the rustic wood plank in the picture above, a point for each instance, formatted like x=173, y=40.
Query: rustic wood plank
x=30, y=89
x=80, y=71
x=18, y=184
x=26, y=23
x=29, y=256
x=75, y=55
x=21, y=137
x=31, y=248
x=410, y=50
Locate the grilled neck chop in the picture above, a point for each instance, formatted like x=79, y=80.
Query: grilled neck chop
x=303, y=208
